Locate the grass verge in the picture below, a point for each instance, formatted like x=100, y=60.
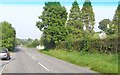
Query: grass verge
x=103, y=63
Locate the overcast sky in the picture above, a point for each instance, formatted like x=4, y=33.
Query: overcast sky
x=23, y=14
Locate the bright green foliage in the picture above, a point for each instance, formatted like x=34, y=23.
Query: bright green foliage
x=88, y=16
x=88, y=19
x=52, y=23
x=102, y=63
x=74, y=24
x=116, y=19
x=8, y=35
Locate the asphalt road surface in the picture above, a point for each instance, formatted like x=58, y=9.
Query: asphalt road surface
x=25, y=60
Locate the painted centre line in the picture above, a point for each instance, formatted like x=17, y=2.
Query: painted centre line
x=38, y=62
x=28, y=53
x=43, y=66
x=33, y=58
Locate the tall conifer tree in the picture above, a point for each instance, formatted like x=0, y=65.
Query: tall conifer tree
x=75, y=16
x=74, y=23
x=116, y=19
x=88, y=16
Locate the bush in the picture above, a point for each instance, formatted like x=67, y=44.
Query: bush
x=108, y=45
x=105, y=45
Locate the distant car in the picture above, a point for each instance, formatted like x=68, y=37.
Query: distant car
x=4, y=54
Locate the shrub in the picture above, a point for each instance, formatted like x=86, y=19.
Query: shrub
x=108, y=45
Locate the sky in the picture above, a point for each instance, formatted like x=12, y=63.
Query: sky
x=23, y=14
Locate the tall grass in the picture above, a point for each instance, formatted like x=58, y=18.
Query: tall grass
x=103, y=63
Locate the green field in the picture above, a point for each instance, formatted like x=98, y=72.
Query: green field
x=103, y=63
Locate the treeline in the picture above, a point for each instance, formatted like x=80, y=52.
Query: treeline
x=74, y=31
x=27, y=42
x=7, y=36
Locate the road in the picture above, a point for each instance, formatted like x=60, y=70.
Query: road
x=25, y=60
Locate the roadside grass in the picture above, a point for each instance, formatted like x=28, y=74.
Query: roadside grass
x=103, y=63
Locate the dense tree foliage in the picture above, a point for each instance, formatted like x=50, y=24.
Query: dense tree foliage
x=88, y=21
x=103, y=24
x=27, y=42
x=116, y=19
x=88, y=16
x=75, y=16
x=8, y=35
x=108, y=45
x=77, y=33
x=74, y=23
x=52, y=23
x=106, y=26
x=23, y=41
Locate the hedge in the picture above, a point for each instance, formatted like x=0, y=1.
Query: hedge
x=108, y=45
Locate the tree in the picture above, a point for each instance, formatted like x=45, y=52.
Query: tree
x=103, y=24
x=33, y=43
x=88, y=19
x=8, y=35
x=42, y=40
x=116, y=19
x=106, y=26
x=52, y=24
x=29, y=41
x=75, y=16
x=74, y=24
x=88, y=16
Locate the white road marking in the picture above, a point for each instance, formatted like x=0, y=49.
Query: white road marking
x=2, y=70
x=33, y=58
x=28, y=53
x=43, y=66
x=38, y=62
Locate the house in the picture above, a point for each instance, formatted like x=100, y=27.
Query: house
x=39, y=47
